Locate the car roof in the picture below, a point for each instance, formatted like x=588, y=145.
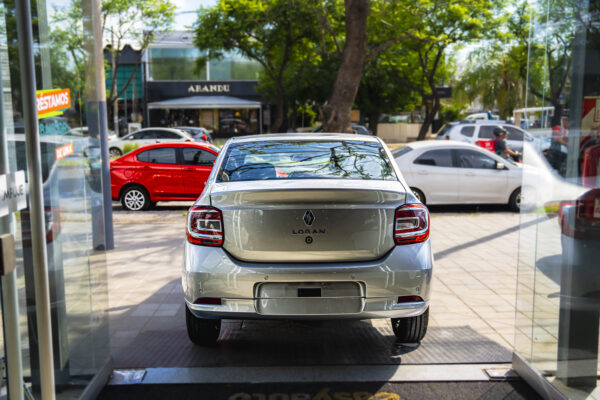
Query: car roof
x=482, y=122
x=202, y=145
x=304, y=136
x=441, y=143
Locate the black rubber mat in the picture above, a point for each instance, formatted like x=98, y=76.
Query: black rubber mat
x=291, y=343
x=516, y=390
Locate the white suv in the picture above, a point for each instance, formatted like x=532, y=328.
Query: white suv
x=474, y=131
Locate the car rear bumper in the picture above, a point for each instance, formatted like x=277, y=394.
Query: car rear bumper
x=346, y=290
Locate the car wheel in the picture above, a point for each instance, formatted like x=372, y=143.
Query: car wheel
x=135, y=198
x=515, y=200
x=418, y=194
x=203, y=332
x=115, y=152
x=411, y=329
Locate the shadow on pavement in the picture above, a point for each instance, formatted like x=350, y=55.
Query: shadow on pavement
x=162, y=341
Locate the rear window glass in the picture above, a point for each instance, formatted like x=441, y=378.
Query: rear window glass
x=467, y=131
x=446, y=128
x=352, y=159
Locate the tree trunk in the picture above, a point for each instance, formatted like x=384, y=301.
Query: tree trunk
x=279, y=107
x=337, y=112
x=557, y=116
x=374, y=121
x=429, y=116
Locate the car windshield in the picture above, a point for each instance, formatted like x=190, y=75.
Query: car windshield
x=348, y=159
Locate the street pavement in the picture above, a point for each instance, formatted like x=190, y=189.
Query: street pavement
x=473, y=292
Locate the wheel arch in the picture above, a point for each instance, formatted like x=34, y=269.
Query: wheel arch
x=134, y=184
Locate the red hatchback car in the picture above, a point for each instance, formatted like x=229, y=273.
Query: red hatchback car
x=161, y=172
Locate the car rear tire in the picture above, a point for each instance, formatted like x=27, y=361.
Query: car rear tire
x=418, y=194
x=203, y=332
x=135, y=198
x=115, y=152
x=411, y=329
x=515, y=200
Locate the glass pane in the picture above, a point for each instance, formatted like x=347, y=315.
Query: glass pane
x=161, y=156
x=467, y=131
x=306, y=160
x=487, y=132
x=193, y=156
x=438, y=158
x=474, y=159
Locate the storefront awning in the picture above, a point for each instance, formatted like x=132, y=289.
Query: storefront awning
x=204, y=102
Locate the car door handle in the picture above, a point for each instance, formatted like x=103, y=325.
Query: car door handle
x=421, y=172
x=470, y=174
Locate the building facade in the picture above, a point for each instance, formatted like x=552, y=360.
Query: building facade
x=219, y=95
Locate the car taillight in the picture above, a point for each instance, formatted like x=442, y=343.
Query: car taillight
x=411, y=224
x=584, y=222
x=447, y=138
x=205, y=226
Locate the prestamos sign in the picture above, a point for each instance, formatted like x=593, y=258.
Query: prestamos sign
x=51, y=102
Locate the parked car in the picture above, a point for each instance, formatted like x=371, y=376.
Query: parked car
x=147, y=136
x=233, y=126
x=199, y=134
x=307, y=226
x=481, y=131
x=161, y=172
x=451, y=172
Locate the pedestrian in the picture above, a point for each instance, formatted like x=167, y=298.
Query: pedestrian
x=556, y=157
x=500, y=145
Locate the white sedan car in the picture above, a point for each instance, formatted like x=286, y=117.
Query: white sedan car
x=451, y=172
x=146, y=136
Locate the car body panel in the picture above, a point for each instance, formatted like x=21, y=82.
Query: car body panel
x=474, y=186
x=162, y=181
x=263, y=264
x=212, y=272
x=351, y=222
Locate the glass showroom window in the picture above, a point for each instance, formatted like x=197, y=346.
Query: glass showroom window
x=558, y=290
x=73, y=209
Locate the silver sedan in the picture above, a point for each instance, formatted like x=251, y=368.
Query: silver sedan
x=317, y=226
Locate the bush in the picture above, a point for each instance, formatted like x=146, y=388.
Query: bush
x=127, y=147
x=451, y=113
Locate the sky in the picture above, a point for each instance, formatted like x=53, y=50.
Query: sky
x=185, y=12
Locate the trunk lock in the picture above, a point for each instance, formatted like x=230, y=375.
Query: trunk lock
x=308, y=239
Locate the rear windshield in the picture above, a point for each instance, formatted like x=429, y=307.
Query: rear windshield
x=445, y=129
x=350, y=159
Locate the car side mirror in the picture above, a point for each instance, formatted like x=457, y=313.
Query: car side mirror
x=500, y=166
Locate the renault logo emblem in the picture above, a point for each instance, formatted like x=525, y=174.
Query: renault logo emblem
x=308, y=218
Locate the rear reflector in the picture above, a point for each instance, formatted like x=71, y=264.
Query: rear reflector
x=211, y=301
x=409, y=299
x=205, y=226
x=411, y=224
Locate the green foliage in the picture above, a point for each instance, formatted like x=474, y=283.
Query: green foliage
x=127, y=147
x=450, y=113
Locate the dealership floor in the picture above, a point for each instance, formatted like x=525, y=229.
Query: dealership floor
x=471, y=319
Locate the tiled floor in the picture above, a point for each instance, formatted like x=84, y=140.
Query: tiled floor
x=474, y=279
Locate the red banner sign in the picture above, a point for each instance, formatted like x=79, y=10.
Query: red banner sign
x=53, y=100
x=64, y=151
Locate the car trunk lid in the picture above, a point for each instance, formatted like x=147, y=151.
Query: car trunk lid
x=320, y=220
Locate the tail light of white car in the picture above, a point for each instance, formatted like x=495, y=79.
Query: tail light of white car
x=205, y=226
x=411, y=224
x=581, y=218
